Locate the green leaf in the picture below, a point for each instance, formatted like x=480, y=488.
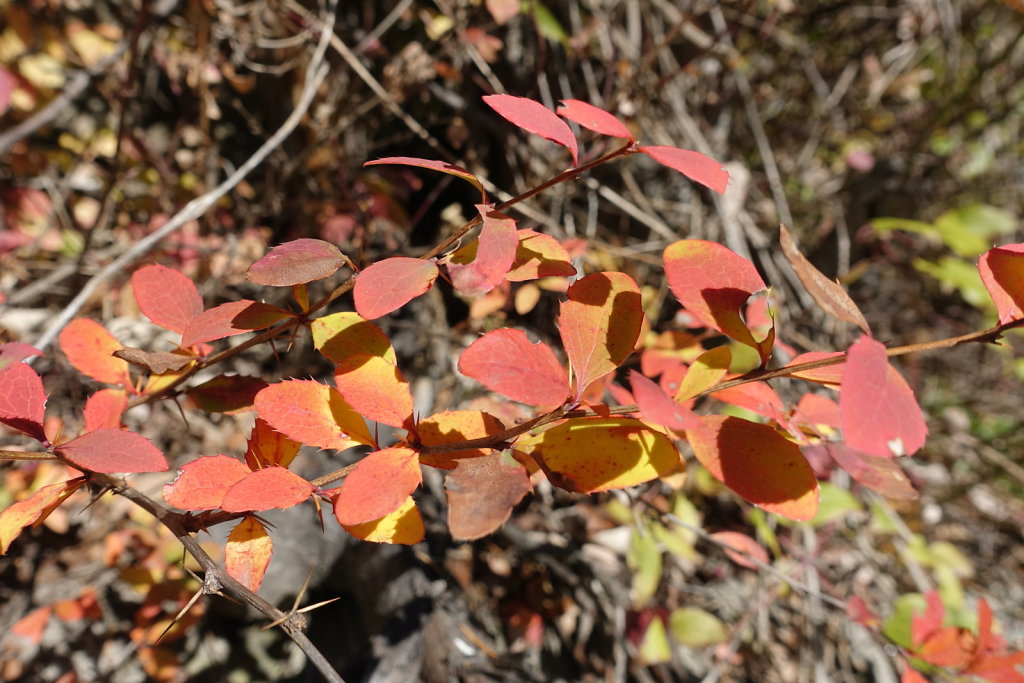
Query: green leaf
x=645, y=560
x=897, y=626
x=655, y=648
x=695, y=627
x=955, y=273
x=834, y=504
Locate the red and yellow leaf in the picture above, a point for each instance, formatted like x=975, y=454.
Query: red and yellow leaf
x=266, y=489
x=202, y=483
x=313, y=414
x=877, y=409
x=341, y=335
x=757, y=463
x=268, y=447
x=539, y=255
x=482, y=492
x=534, y=117
x=506, y=362
x=90, y=349
x=598, y=454
x=1002, y=271
x=757, y=397
x=166, y=296
x=113, y=450
x=434, y=165
x=104, y=409
x=226, y=320
x=698, y=167
x=390, y=284
x=599, y=325
x=378, y=485
x=297, y=262
x=375, y=389
x=704, y=373
x=33, y=510
x=247, y=553
x=593, y=118
x=481, y=265
x=403, y=526
x=22, y=400
x=453, y=426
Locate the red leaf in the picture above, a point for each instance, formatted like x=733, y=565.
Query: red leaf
x=202, y=483
x=9, y=83
x=656, y=406
x=878, y=413
x=758, y=463
x=166, y=296
x=482, y=492
x=830, y=375
x=697, y=167
x=33, y=510
x=593, y=118
x=113, y=450
x=235, y=317
x=375, y=389
x=434, y=165
x=267, y=446
x=506, y=362
x=313, y=414
x=32, y=625
x=297, y=262
x=481, y=265
x=247, y=553
x=12, y=352
x=534, y=117
x=379, y=485
x=271, y=487
x=814, y=410
x=859, y=611
x=539, y=255
x=757, y=397
x=104, y=409
x=599, y=325
x=90, y=349
x=22, y=400
x=713, y=284
x=925, y=625
x=883, y=475
x=741, y=548
x=390, y=284
x=1002, y=271
x=226, y=393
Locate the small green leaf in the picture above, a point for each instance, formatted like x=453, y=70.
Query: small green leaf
x=695, y=627
x=655, y=648
x=645, y=560
x=897, y=626
x=834, y=504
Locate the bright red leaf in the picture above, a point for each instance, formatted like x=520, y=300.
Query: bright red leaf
x=202, y=483
x=103, y=410
x=378, y=485
x=1002, y=271
x=390, y=284
x=539, y=255
x=698, y=167
x=235, y=317
x=742, y=549
x=506, y=362
x=297, y=262
x=599, y=325
x=113, y=450
x=312, y=413
x=829, y=375
x=534, y=117
x=593, y=118
x=247, y=553
x=266, y=489
x=90, y=349
x=878, y=413
x=482, y=492
x=22, y=400
x=481, y=265
x=434, y=165
x=375, y=389
x=166, y=296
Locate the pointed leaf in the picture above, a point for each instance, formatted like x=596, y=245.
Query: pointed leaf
x=375, y=389
x=341, y=335
x=883, y=475
x=226, y=393
x=506, y=362
x=113, y=450
x=742, y=549
x=104, y=409
x=235, y=317
x=923, y=626
x=297, y=262
x=698, y=167
x=758, y=463
x=22, y=400
x=598, y=454
x=482, y=492
x=404, y=526
x=247, y=553
x=378, y=486
x=90, y=349
x=593, y=118
x=268, y=447
x=599, y=325
x=33, y=510
x=1002, y=271
x=390, y=284
x=694, y=627
x=202, y=483
x=266, y=489
x=704, y=372
x=158, y=362
x=454, y=426
x=313, y=414
x=539, y=255
x=166, y=296
x=433, y=165
x=481, y=265
x=878, y=413
x=828, y=294
x=534, y=117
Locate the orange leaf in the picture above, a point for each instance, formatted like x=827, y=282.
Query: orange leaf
x=267, y=447
x=758, y=463
x=266, y=489
x=166, y=296
x=1002, y=271
x=202, y=483
x=534, y=117
x=104, y=409
x=378, y=486
x=32, y=625
x=90, y=349
x=742, y=549
x=452, y=426
x=482, y=492
x=247, y=553
x=33, y=510
x=297, y=262
x=404, y=526
x=375, y=389
x=22, y=400
x=113, y=450
x=341, y=335
x=539, y=255
x=593, y=118
x=313, y=414
x=599, y=325
x=506, y=362
x=598, y=454
x=698, y=167
x=390, y=284
x=226, y=320
x=481, y=265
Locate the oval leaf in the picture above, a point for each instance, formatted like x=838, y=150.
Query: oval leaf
x=693, y=627
x=482, y=492
x=235, y=317
x=22, y=400
x=390, y=284
x=166, y=296
x=829, y=375
x=297, y=262
x=593, y=118
x=266, y=489
x=599, y=325
x=247, y=553
x=379, y=485
x=539, y=255
x=375, y=389
x=433, y=165
x=341, y=335
x=313, y=414
x=90, y=349
x=202, y=483
x=705, y=372
x=1002, y=271
x=113, y=450
x=506, y=362
x=758, y=463
x=877, y=409
x=452, y=426
x=698, y=167
x=534, y=117
x=226, y=393
x=597, y=454
x=104, y=409
x=404, y=526
x=481, y=265
x=33, y=510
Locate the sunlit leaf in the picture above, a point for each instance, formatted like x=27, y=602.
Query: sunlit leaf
x=593, y=118
x=90, y=349
x=247, y=553
x=883, y=475
x=433, y=165
x=166, y=296
x=378, y=485
x=266, y=489
x=704, y=373
x=235, y=317
x=537, y=256
x=534, y=117
x=297, y=262
x=344, y=334
x=695, y=627
x=375, y=389
x=113, y=450
x=481, y=265
x=698, y=167
x=202, y=483
x=742, y=549
x=403, y=526
x=267, y=447
x=388, y=285
x=313, y=414
x=33, y=510
x=104, y=409
x=1002, y=271
x=830, y=375
x=12, y=352
x=506, y=362
x=454, y=426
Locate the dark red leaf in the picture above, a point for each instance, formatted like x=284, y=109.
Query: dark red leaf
x=297, y=262
x=235, y=317
x=698, y=167
x=113, y=450
x=433, y=165
x=226, y=393
x=506, y=362
x=22, y=400
x=534, y=117
x=167, y=297
x=593, y=118
x=392, y=283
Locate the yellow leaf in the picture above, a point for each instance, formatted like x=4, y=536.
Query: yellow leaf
x=404, y=526
x=42, y=71
x=247, y=553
